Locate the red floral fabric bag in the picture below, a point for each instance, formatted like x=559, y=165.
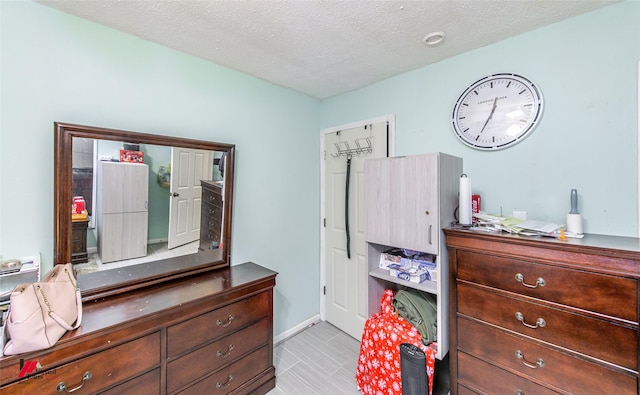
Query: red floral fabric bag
x=378, y=371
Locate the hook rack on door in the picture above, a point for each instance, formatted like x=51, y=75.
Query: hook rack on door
x=363, y=146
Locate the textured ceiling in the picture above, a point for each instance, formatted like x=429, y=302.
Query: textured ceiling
x=324, y=48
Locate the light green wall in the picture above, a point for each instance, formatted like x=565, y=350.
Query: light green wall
x=587, y=68
x=56, y=67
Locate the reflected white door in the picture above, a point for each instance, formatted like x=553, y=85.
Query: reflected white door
x=347, y=277
x=188, y=167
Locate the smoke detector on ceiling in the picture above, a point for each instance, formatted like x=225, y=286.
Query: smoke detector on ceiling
x=434, y=38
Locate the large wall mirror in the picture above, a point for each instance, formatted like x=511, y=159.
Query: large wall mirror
x=152, y=207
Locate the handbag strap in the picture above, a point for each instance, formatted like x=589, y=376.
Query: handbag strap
x=62, y=322
x=52, y=313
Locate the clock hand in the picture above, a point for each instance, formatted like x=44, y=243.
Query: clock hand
x=490, y=116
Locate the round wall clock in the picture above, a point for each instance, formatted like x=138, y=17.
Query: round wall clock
x=497, y=111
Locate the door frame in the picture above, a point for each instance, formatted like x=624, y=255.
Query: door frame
x=391, y=120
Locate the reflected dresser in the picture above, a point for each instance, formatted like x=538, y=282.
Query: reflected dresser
x=543, y=316
x=208, y=333
x=211, y=215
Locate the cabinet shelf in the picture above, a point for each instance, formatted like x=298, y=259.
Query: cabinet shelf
x=426, y=286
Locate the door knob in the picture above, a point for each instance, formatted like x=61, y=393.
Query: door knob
x=175, y=194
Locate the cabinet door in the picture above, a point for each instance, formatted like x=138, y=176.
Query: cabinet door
x=402, y=202
x=124, y=187
x=123, y=236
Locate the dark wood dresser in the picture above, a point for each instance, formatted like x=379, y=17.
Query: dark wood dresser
x=543, y=316
x=211, y=216
x=209, y=333
x=79, y=241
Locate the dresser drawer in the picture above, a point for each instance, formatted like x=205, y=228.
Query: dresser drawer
x=217, y=323
x=210, y=228
x=212, y=211
x=233, y=376
x=465, y=391
x=107, y=368
x=538, y=362
x=609, y=295
x=485, y=378
x=209, y=358
x=148, y=383
x=213, y=197
x=600, y=339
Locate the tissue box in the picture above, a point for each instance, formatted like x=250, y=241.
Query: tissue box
x=418, y=263
x=409, y=265
x=387, y=259
x=412, y=274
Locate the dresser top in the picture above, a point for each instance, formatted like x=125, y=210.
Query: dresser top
x=629, y=244
x=617, y=254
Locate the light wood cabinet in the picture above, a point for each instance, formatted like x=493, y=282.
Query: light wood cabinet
x=543, y=316
x=207, y=333
x=122, y=210
x=408, y=201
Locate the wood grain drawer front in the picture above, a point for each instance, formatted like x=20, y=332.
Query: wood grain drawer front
x=212, y=211
x=107, y=368
x=220, y=322
x=212, y=227
x=212, y=196
x=148, y=383
x=465, y=391
x=558, y=369
x=484, y=378
x=232, y=376
x=600, y=293
x=212, y=357
x=600, y=339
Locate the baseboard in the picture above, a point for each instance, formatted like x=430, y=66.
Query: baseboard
x=296, y=329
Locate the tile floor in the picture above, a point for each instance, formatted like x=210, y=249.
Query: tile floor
x=154, y=252
x=319, y=360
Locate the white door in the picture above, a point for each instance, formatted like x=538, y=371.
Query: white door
x=188, y=167
x=346, y=274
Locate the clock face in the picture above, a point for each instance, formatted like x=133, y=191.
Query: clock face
x=497, y=111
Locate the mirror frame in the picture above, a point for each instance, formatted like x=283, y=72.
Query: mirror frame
x=99, y=284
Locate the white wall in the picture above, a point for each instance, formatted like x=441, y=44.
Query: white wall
x=587, y=68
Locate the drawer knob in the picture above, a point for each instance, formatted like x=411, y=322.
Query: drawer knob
x=62, y=386
x=540, y=322
x=539, y=362
x=227, y=353
x=222, y=386
x=225, y=324
x=539, y=282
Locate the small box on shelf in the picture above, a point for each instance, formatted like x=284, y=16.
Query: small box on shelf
x=412, y=274
x=412, y=266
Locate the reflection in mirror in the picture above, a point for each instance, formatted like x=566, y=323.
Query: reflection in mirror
x=153, y=207
x=134, y=213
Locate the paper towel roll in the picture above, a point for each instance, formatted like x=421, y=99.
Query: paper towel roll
x=464, y=208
